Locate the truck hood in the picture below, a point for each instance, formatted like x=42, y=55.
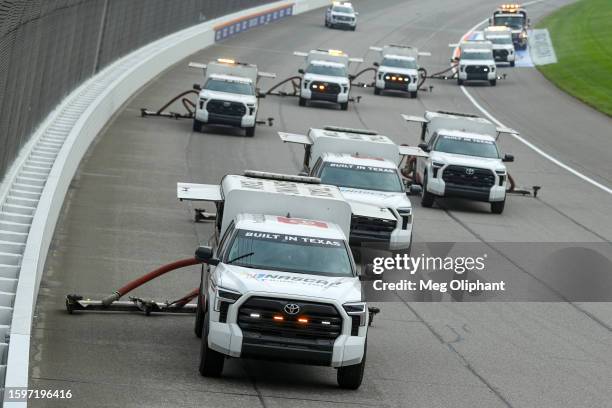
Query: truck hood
x=325, y=78
x=277, y=283
x=470, y=161
x=376, y=199
x=405, y=71
x=250, y=99
x=477, y=62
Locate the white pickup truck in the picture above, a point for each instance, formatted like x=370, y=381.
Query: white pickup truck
x=229, y=95
x=476, y=62
x=341, y=14
x=397, y=69
x=364, y=165
x=501, y=40
x=326, y=77
x=461, y=159
x=282, y=283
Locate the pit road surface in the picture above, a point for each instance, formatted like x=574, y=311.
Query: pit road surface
x=121, y=218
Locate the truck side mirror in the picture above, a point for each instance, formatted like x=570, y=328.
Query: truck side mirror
x=424, y=147
x=508, y=158
x=376, y=64
x=490, y=21
x=301, y=71
x=197, y=87
x=204, y=254
x=261, y=95
x=414, y=189
x=367, y=273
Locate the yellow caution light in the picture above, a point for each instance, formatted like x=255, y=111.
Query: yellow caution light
x=279, y=318
x=226, y=61
x=303, y=320
x=335, y=52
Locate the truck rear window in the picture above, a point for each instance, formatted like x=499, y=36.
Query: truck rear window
x=290, y=253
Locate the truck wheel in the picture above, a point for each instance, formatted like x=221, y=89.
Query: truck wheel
x=493, y=82
x=512, y=63
x=302, y=101
x=344, y=106
x=350, y=377
x=427, y=199
x=197, y=126
x=199, y=320
x=377, y=91
x=413, y=94
x=459, y=81
x=353, y=28
x=250, y=131
x=497, y=207
x=211, y=361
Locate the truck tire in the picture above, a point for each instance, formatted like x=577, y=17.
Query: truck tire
x=350, y=377
x=512, y=63
x=427, y=199
x=413, y=94
x=497, y=207
x=250, y=131
x=493, y=82
x=344, y=106
x=211, y=361
x=197, y=126
x=377, y=91
x=302, y=101
x=459, y=81
x=199, y=320
x=353, y=28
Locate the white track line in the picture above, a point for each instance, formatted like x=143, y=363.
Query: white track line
x=521, y=139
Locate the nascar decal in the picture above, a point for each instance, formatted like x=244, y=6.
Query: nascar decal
x=280, y=277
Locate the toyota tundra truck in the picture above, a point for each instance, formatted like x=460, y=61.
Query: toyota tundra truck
x=462, y=159
x=229, y=95
x=501, y=40
x=515, y=18
x=364, y=165
x=341, y=14
x=397, y=69
x=281, y=283
x=325, y=77
x=476, y=62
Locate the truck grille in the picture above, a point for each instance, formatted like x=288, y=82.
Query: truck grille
x=256, y=319
x=343, y=18
x=328, y=88
x=468, y=176
x=500, y=54
x=477, y=69
x=219, y=107
x=374, y=229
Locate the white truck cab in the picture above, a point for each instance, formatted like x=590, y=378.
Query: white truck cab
x=326, y=77
x=364, y=165
x=229, y=95
x=501, y=40
x=461, y=159
x=282, y=283
x=397, y=69
x=515, y=18
x=341, y=14
x=476, y=62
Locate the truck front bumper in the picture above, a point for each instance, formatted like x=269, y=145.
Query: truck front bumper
x=485, y=76
x=245, y=121
x=438, y=187
x=395, y=86
x=323, y=96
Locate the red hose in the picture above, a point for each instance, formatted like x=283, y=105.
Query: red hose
x=148, y=277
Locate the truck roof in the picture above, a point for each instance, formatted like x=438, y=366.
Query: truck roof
x=461, y=122
x=345, y=158
x=327, y=63
x=336, y=56
x=231, y=78
x=400, y=50
x=233, y=69
x=284, y=224
x=475, y=45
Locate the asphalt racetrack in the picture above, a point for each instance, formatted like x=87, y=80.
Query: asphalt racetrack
x=121, y=218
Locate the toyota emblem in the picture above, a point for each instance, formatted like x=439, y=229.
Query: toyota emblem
x=469, y=171
x=292, y=309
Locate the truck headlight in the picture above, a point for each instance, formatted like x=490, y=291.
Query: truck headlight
x=436, y=166
x=406, y=217
x=462, y=68
x=358, y=314
x=202, y=102
x=223, y=295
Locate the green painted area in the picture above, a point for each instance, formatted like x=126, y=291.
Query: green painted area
x=582, y=36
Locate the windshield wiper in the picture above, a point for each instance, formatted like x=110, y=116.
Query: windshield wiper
x=240, y=257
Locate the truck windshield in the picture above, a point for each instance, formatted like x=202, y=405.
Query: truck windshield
x=477, y=55
x=326, y=70
x=241, y=88
x=399, y=63
x=346, y=10
x=500, y=40
x=362, y=177
x=515, y=21
x=467, y=146
x=291, y=253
